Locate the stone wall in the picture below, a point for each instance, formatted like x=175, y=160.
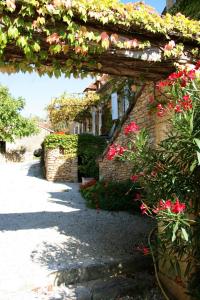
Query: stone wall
x=156, y=126
x=60, y=166
x=22, y=149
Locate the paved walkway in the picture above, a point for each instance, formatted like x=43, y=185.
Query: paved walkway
x=45, y=227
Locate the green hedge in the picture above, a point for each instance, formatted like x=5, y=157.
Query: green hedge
x=111, y=195
x=87, y=147
x=65, y=141
x=189, y=8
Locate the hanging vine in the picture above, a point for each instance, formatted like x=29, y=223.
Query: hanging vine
x=68, y=36
x=68, y=108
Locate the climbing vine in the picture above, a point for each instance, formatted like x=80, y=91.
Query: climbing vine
x=68, y=108
x=66, y=36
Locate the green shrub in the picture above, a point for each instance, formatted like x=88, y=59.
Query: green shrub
x=90, y=147
x=68, y=142
x=87, y=147
x=114, y=196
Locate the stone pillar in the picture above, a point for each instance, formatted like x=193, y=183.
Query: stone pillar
x=100, y=120
x=78, y=125
x=60, y=166
x=94, y=121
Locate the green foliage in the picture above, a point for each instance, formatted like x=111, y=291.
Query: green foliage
x=67, y=142
x=89, y=149
x=68, y=108
x=111, y=195
x=190, y=8
x=12, y=124
x=54, y=37
x=86, y=146
x=169, y=173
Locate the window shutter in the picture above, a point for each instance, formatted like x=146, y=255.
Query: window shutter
x=114, y=102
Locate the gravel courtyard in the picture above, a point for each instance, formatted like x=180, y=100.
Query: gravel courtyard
x=45, y=227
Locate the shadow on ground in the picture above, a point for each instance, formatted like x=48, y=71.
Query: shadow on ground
x=83, y=234
x=35, y=170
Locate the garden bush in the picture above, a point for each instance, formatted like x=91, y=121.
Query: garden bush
x=87, y=147
x=111, y=195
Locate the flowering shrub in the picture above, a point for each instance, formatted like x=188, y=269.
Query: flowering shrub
x=114, y=196
x=132, y=127
x=171, y=171
x=115, y=150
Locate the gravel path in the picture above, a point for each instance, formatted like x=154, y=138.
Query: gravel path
x=45, y=226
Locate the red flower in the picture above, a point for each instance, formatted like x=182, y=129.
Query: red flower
x=114, y=150
x=143, y=249
x=178, y=207
x=191, y=74
x=137, y=197
x=153, y=173
x=163, y=205
x=175, y=75
x=143, y=208
x=151, y=99
x=134, y=178
x=132, y=127
x=183, y=83
x=186, y=97
x=161, y=110
x=178, y=109
x=162, y=84
x=197, y=65
x=111, y=152
x=170, y=105
x=60, y=132
x=168, y=204
x=120, y=150
x=186, y=103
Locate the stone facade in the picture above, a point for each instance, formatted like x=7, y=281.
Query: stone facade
x=60, y=166
x=156, y=126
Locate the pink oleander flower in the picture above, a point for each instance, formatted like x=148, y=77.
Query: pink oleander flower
x=134, y=178
x=162, y=84
x=191, y=74
x=114, y=150
x=143, y=249
x=111, y=152
x=161, y=110
x=178, y=109
x=143, y=208
x=178, y=207
x=163, y=205
x=132, y=127
x=197, y=67
x=137, y=197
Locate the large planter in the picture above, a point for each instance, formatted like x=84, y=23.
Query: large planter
x=176, y=288
x=87, y=179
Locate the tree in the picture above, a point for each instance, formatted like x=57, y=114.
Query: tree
x=68, y=108
x=12, y=124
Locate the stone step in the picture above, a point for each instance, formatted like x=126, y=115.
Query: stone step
x=92, y=270
x=137, y=286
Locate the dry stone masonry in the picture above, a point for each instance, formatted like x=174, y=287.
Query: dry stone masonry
x=60, y=166
x=156, y=126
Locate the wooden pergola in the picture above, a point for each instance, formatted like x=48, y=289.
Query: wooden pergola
x=148, y=63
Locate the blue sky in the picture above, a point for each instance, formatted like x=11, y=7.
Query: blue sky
x=38, y=91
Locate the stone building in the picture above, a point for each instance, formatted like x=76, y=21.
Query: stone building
x=23, y=149
x=139, y=113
